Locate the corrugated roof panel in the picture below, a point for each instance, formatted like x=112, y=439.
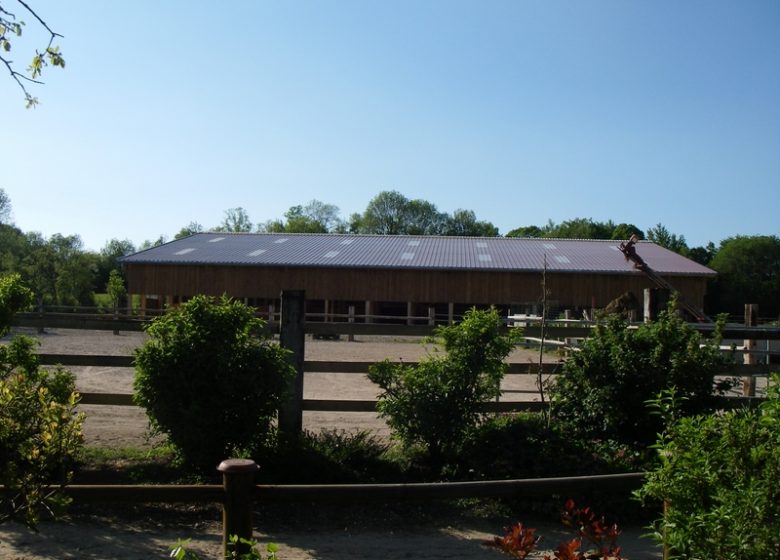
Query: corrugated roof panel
x=377, y=251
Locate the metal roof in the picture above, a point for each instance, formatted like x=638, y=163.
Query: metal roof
x=412, y=252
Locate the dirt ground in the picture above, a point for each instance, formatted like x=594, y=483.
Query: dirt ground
x=312, y=532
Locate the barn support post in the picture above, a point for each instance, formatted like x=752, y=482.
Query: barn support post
x=238, y=480
x=409, y=311
x=749, y=382
x=351, y=335
x=292, y=337
x=450, y=313
x=656, y=300
x=368, y=318
x=431, y=316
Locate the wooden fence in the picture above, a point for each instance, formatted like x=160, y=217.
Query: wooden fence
x=353, y=405
x=239, y=494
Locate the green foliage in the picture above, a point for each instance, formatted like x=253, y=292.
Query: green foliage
x=526, y=446
x=209, y=380
x=40, y=432
x=14, y=297
x=602, y=390
x=11, y=28
x=720, y=476
x=437, y=402
x=238, y=549
x=115, y=288
x=748, y=272
x=328, y=457
x=579, y=228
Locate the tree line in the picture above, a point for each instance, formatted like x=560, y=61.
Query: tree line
x=60, y=271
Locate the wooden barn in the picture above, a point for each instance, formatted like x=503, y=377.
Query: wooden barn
x=387, y=277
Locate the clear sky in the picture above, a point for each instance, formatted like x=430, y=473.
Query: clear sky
x=522, y=111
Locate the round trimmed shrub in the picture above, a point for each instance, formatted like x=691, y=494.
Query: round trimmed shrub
x=210, y=380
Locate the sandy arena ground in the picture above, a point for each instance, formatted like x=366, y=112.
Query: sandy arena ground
x=145, y=533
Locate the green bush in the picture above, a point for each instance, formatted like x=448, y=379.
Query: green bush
x=720, y=476
x=40, y=432
x=209, y=380
x=328, y=457
x=602, y=391
x=436, y=402
x=526, y=446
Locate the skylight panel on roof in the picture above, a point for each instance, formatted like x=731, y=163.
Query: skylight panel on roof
x=185, y=251
x=347, y=241
x=614, y=248
x=414, y=243
x=484, y=257
x=216, y=239
x=561, y=259
x=281, y=240
x=256, y=253
x=407, y=256
x=331, y=254
x=481, y=244
x=549, y=246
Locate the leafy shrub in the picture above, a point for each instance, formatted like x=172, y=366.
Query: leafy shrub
x=526, y=446
x=720, y=476
x=40, y=433
x=602, y=390
x=328, y=457
x=436, y=402
x=209, y=380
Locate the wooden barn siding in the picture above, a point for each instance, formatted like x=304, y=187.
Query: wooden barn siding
x=338, y=284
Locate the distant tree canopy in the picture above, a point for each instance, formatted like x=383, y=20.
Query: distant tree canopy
x=579, y=228
x=314, y=217
x=391, y=213
x=748, y=272
x=11, y=28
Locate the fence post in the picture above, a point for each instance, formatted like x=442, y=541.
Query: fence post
x=292, y=337
x=238, y=480
x=749, y=382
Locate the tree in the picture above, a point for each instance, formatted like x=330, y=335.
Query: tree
x=314, y=217
x=748, y=272
x=236, y=221
x=75, y=270
x=386, y=214
x=437, y=401
x=663, y=237
x=526, y=231
x=190, y=229
x=115, y=288
x=465, y=223
x=11, y=27
x=5, y=207
x=209, y=380
x=149, y=243
x=703, y=255
x=423, y=218
x=40, y=432
x=108, y=260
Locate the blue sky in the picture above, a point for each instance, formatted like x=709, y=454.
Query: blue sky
x=523, y=111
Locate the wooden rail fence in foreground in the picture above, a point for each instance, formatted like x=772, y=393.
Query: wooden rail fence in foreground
x=239, y=494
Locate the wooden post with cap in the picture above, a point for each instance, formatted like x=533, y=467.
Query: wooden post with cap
x=238, y=480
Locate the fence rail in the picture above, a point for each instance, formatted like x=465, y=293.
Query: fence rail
x=554, y=329
x=354, y=405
